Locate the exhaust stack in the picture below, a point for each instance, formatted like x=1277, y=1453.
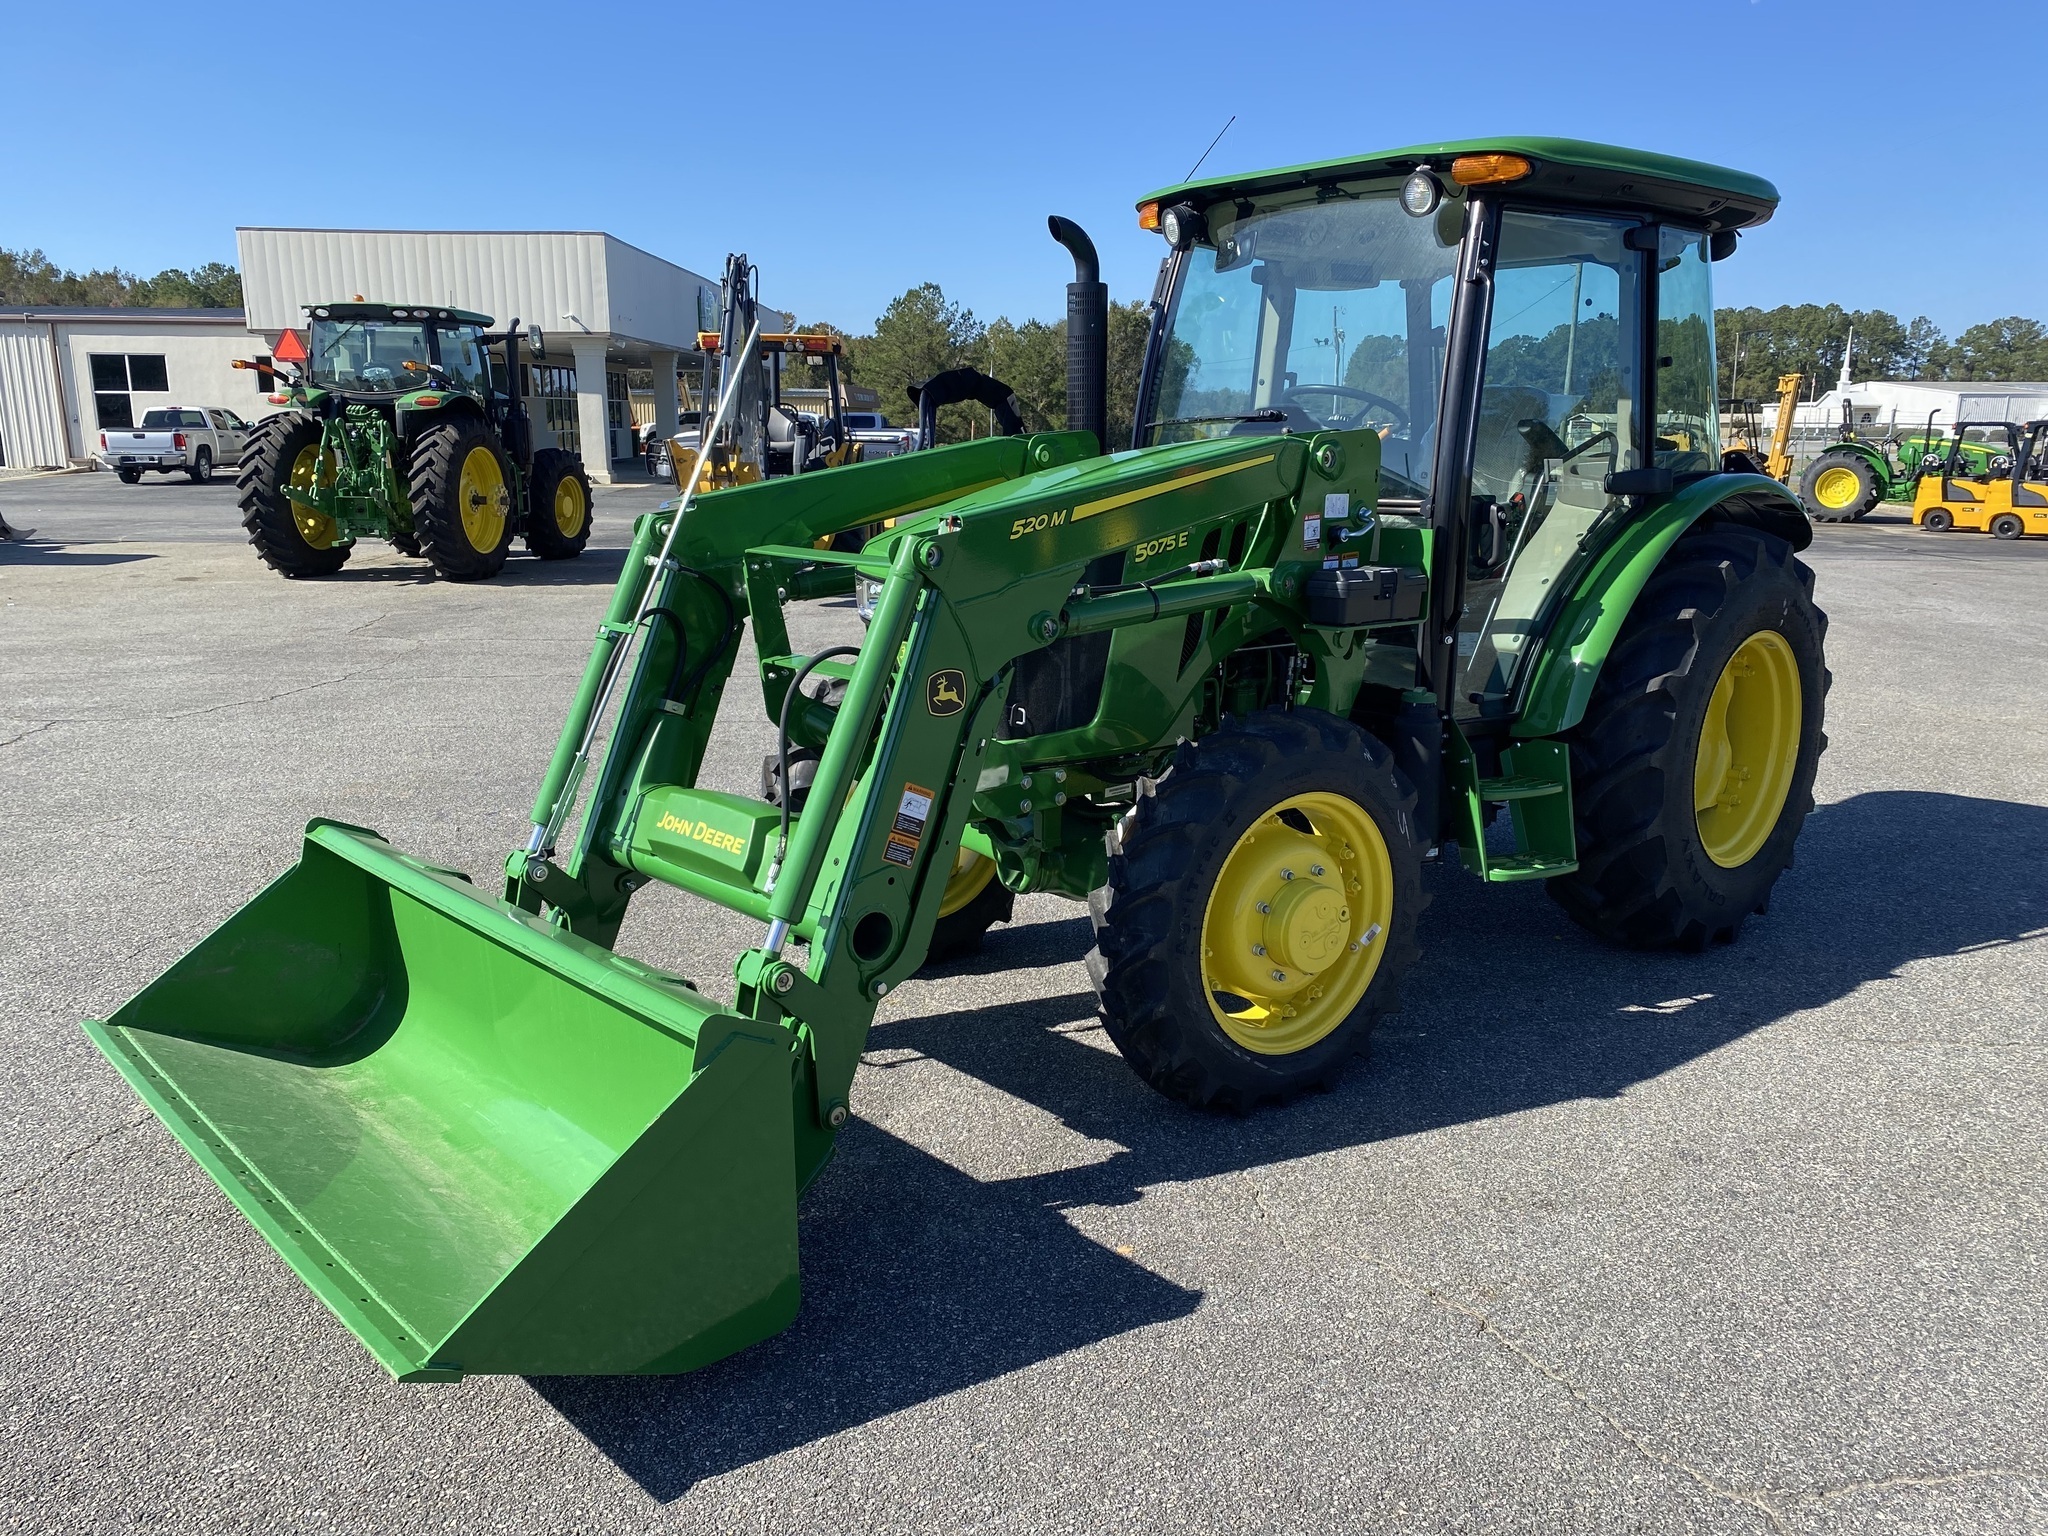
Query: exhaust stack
x=1087, y=335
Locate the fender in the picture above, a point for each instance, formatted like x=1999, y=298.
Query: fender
x=1584, y=631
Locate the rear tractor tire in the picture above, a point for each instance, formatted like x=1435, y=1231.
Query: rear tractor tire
x=1840, y=487
x=406, y=542
x=557, y=506
x=293, y=540
x=461, y=500
x=1692, y=771
x=1260, y=911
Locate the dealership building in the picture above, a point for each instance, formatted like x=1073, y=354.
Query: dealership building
x=605, y=308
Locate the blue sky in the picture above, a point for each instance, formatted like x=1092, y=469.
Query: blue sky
x=966, y=124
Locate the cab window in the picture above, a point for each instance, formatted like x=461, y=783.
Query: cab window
x=462, y=358
x=1688, y=431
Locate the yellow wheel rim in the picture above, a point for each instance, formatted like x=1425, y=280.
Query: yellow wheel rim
x=480, y=493
x=1749, y=745
x=312, y=470
x=969, y=878
x=569, y=506
x=1296, y=924
x=1837, y=487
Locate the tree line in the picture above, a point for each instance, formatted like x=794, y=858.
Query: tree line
x=1756, y=346
x=30, y=278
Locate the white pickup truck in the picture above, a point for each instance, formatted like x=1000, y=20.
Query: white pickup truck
x=172, y=438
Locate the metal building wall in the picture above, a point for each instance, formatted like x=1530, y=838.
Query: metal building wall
x=31, y=411
x=564, y=282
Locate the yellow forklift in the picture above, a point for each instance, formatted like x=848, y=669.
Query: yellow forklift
x=2008, y=499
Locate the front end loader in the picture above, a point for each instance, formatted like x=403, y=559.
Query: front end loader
x=1420, y=551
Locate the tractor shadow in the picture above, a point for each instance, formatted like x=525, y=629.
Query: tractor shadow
x=28, y=551
x=920, y=1281
x=593, y=568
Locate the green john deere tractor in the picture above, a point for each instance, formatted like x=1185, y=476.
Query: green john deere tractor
x=1419, y=531
x=409, y=426
x=1851, y=477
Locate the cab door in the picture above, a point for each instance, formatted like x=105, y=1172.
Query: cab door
x=1560, y=409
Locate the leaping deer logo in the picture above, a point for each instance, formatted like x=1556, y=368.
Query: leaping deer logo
x=946, y=693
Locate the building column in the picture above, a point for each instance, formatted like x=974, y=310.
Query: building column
x=591, y=427
x=664, y=366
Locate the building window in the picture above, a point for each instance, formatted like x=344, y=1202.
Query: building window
x=555, y=389
x=115, y=375
x=618, y=414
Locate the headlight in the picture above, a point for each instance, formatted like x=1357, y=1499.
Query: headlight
x=1420, y=194
x=1181, y=225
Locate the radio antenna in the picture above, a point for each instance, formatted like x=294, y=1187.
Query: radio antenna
x=1212, y=144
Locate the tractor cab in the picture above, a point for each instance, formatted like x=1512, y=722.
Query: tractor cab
x=1990, y=478
x=1322, y=303
x=375, y=353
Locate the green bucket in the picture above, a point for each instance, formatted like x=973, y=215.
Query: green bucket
x=487, y=1145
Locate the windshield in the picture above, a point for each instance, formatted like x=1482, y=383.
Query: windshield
x=1311, y=316
x=367, y=356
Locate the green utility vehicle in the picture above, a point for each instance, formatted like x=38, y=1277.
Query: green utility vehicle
x=1853, y=476
x=408, y=427
x=1420, y=526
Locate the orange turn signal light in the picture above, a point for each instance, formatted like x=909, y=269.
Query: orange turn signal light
x=707, y=341
x=1148, y=215
x=1485, y=170
x=425, y=400
x=279, y=399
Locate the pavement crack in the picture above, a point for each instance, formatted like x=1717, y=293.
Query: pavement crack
x=34, y=730
x=73, y=1155
x=1765, y=1505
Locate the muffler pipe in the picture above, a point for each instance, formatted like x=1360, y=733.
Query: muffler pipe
x=1087, y=335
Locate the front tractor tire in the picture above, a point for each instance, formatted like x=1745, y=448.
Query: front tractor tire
x=461, y=500
x=1840, y=487
x=557, y=505
x=295, y=541
x=1693, y=769
x=1260, y=911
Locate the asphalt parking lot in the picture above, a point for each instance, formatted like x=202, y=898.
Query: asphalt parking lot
x=1594, y=1242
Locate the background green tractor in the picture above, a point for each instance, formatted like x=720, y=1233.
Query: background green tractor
x=408, y=426
x=1852, y=476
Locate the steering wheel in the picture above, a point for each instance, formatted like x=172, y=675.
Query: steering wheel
x=1345, y=390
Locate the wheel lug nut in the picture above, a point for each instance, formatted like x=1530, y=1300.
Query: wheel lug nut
x=1315, y=869
x=1279, y=975
x=1259, y=949
x=1286, y=874
x=1265, y=907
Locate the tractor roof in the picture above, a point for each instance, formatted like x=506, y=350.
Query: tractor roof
x=1569, y=170
x=358, y=310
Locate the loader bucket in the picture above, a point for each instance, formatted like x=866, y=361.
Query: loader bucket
x=487, y=1145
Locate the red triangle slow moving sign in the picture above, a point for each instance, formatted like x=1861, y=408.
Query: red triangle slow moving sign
x=290, y=349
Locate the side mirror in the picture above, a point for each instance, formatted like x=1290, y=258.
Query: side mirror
x=1654, y=481
x=536, y=343
x=1721, y=245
